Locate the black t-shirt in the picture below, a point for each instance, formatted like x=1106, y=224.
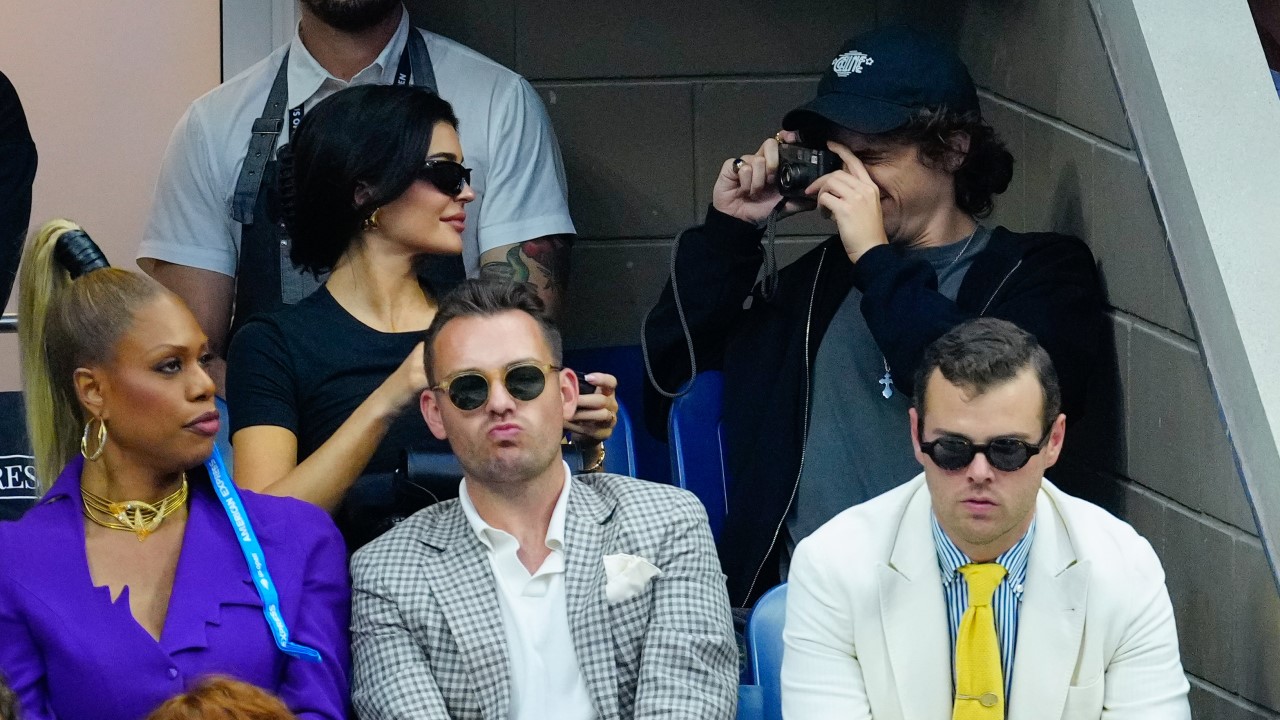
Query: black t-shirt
x=306, y=368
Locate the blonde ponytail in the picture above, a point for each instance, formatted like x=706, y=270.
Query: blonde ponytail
x=64, y=324
x=51, y=422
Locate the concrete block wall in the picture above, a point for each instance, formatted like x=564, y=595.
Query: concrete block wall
x=648, y=100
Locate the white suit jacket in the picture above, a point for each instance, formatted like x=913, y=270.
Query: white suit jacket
x=866, y=632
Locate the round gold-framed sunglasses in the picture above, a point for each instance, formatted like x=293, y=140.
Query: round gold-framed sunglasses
x=469, y=389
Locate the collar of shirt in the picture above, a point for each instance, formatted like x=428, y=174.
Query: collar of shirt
x=494, y=539
x=307, y=78
x=1014, y=560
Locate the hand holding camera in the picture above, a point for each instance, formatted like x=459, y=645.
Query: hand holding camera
x=748, y=187
x=853, y=200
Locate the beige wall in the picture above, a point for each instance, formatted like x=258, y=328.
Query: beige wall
x=103, y=84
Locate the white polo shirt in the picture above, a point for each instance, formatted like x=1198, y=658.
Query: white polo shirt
x=507, y=141
x=546, y=678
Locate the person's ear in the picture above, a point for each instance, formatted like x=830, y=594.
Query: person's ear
x=362, y=194
x=568, y=392
x=1057, y=436
x=91, y=391
x=958, y=150
x=915, y=435
x=429, y=405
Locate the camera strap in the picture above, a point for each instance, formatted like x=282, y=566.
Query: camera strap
x=769, y=282
x=768, y=288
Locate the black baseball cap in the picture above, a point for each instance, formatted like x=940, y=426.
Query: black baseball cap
x=879, y=79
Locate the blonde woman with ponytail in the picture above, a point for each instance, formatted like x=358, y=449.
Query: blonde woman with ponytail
x=134, y=582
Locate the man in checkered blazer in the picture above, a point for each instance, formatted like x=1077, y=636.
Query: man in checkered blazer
x=535, y=594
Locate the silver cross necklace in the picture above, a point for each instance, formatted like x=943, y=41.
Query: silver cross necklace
x=887, y=379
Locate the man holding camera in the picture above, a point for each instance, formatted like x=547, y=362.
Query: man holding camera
x=818, y=359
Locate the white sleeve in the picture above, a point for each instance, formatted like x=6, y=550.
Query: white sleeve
x=190, y=221
x=821, y=673
x=1144, y=678
x=525, y=194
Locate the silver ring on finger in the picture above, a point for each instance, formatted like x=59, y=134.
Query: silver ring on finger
x=737, y=163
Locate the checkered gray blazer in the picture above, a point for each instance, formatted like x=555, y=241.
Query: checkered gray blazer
x=427, y=634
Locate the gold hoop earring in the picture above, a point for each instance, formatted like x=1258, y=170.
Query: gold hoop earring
x=102, y=440
x=371, y=222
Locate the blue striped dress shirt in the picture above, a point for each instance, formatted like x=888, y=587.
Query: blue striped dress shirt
x=1006, y=603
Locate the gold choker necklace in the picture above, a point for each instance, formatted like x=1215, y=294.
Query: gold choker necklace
x=137, y=517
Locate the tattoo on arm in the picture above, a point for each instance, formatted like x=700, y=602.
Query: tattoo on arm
x=542, y=262
x=550, y=256
x=501, y=270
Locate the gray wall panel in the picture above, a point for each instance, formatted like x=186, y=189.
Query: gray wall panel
x=628, y=154
x=561, y=39
x=1130, y=243
x=1257, y=637
x=490, y=28
x=1199, y=562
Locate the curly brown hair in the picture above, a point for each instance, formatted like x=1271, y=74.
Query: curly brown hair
x=221, y=698
x=987, y=166
x=981, y=172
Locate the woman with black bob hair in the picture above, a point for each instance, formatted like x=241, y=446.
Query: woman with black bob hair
x=323, y=395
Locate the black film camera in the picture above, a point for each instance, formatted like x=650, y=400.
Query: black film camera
x=799, y=166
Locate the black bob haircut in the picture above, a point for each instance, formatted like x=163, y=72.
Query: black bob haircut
x=373, y=138
x=979, y=354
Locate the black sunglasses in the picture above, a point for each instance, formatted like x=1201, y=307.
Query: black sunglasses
x=1005, y=454
x=447, y=176
x=469, y=389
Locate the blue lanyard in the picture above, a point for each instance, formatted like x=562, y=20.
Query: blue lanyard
x=252, y=549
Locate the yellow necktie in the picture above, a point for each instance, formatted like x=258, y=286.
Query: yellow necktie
x=979, y=679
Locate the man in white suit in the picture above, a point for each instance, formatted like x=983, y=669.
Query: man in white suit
x=878, y=611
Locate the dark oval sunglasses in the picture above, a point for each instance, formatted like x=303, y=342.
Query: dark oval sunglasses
x=1004, y=454
x=447, y=176
x=469, y=389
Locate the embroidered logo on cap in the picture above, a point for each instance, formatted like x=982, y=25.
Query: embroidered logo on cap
x=851, y=62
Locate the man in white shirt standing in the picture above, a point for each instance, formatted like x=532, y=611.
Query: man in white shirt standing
x=214, y=235
x=535, y=594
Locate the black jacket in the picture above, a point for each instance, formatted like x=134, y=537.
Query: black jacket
x=17, y=173
x=1044, y=282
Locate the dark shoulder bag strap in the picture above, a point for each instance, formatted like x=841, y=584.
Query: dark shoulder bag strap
x=262, y=145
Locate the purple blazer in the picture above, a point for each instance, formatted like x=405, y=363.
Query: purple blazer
x=70, y=653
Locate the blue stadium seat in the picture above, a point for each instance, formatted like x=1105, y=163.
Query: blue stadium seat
x=650, y=458
x=750, y=703
x=697, y=446
x=764, y=649
x=620, y=448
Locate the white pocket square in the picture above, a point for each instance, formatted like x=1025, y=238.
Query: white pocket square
x=626, y=576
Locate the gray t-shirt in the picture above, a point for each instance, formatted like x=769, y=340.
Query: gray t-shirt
x=858, y=445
